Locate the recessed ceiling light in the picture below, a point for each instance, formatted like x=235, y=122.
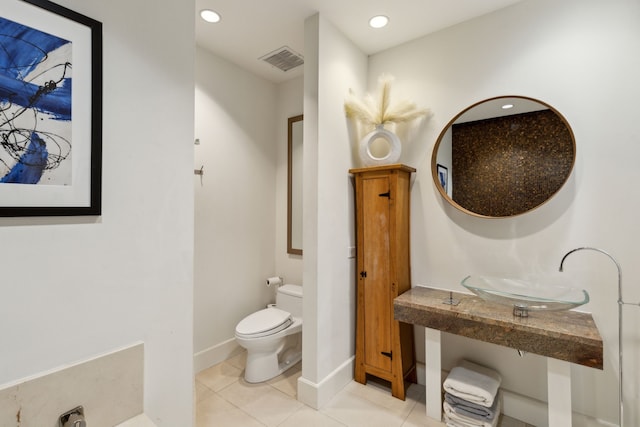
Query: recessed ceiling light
x=210, y=16
x=507, y=106
x=378, y=21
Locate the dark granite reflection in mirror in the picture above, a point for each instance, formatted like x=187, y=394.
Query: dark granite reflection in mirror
x=506, y=165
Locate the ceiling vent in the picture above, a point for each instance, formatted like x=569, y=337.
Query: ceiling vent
x=284, y=58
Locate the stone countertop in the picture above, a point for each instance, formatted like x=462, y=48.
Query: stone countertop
x=571, y=336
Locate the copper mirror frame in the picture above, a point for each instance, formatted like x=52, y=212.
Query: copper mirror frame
x=492, y=162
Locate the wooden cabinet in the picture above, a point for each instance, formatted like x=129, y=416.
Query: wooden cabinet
x=384, y=347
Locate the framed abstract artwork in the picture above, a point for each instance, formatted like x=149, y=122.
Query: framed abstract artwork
x=50, y=110
x=443, y=177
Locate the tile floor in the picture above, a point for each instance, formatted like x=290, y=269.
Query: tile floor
x=224, y=399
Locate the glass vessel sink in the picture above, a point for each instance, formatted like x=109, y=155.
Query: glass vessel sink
x=525, y=295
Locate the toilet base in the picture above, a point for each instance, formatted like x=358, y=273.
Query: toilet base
x=262, y=366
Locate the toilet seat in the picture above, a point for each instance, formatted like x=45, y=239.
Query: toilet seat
x=262, y=323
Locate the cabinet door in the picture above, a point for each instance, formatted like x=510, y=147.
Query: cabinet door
x=376, y=284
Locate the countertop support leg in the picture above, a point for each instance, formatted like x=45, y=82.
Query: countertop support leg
x=433, y=373
x=559, y=392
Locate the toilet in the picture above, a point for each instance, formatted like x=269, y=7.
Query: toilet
x=273, y=336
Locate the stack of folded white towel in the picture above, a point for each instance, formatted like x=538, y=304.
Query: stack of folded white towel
x=471, y=396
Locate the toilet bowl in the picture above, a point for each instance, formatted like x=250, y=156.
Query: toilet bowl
x=273, y=336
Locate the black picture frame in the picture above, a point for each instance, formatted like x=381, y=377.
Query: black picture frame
x=71, y=91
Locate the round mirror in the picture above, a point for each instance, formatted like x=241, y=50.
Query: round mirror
x=503, y=157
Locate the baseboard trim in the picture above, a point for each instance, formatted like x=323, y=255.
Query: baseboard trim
x=213, y=355
x=316, y=395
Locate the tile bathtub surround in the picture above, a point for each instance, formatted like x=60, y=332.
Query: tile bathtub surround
x=109, y=388
x=224, y=399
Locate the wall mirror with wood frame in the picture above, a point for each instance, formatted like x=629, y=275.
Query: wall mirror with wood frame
x=503, y=156
x=294, y=185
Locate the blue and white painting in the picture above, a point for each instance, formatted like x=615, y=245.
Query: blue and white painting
x=35, y=106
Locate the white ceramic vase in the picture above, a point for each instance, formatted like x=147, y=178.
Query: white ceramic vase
x=394, y=148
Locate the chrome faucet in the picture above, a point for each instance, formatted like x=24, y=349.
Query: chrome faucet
x=620, y=304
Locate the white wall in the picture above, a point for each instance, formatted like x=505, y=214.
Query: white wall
x=333, y=65
x=290, y=103
x=235, y=198
x=579, y=57
x=74, y=288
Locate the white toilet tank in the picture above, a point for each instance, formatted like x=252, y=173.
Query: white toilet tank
x=289, y=298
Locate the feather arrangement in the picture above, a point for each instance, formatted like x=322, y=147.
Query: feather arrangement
x=372, y=113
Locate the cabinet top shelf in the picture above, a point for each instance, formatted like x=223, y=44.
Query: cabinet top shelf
x=571, y=336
